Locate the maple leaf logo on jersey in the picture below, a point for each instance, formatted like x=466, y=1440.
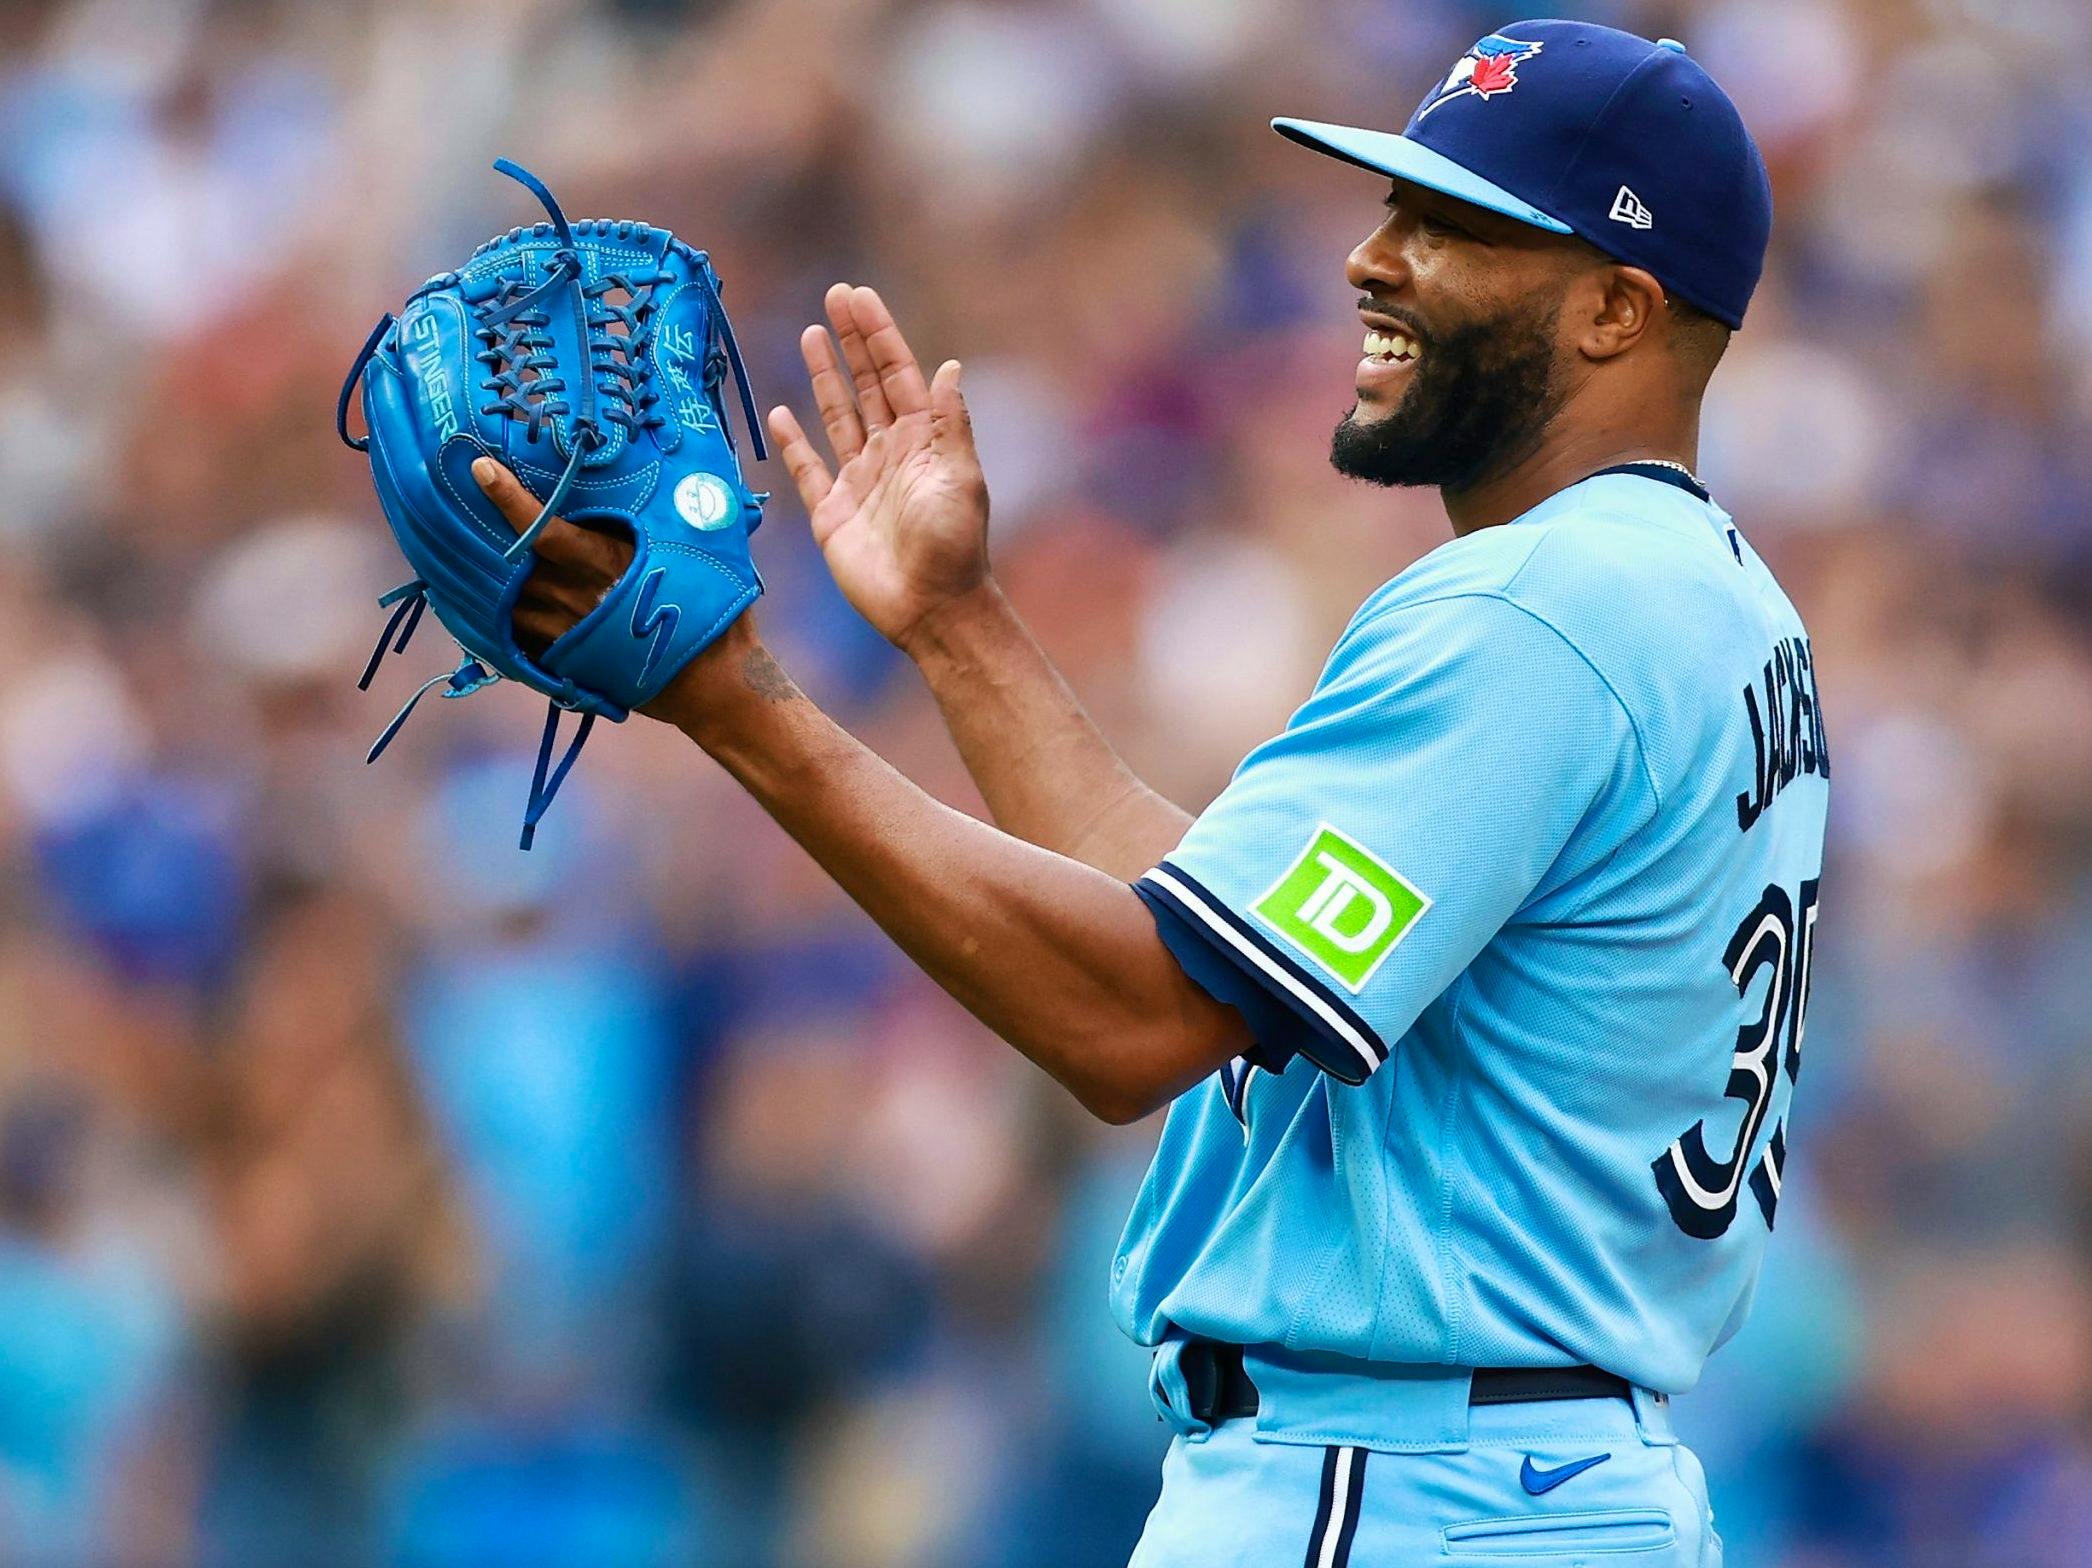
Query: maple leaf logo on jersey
x=1487, y=70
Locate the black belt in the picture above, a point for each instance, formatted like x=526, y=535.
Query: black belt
x=1221, y=1389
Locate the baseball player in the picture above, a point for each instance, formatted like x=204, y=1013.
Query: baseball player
x=1477, y=997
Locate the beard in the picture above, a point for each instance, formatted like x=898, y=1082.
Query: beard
x=1479, y=400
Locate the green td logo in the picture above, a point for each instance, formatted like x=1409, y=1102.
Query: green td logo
x=1342, y=906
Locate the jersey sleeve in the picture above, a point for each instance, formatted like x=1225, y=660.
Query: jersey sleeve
x=1458, y=760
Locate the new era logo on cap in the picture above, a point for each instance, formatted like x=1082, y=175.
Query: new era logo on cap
x=1628, y=209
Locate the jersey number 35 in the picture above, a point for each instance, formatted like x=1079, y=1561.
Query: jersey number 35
x=1702, y=1188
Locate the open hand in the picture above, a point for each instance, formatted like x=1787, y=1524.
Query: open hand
x=903, y=520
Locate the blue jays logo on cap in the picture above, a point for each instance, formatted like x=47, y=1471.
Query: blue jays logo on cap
x=1486, y=70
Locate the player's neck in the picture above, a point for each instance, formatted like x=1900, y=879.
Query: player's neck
x=1565, y=456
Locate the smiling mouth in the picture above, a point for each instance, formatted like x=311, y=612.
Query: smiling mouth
x=1391, y=348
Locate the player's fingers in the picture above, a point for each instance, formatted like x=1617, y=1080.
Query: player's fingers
x=559, y=541
x=507, y=493
x=545, y=608
x=534, y=633
x=518, y=505
x=584, y=576
x=864, y=375
x=539, y=623
x=951, y=426
x=899, y=375
x=801, y=461
x=832, y=394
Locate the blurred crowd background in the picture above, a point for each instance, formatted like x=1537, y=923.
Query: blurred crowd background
x=370, y=1192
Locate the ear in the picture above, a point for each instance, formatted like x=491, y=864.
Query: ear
x=1625, y=304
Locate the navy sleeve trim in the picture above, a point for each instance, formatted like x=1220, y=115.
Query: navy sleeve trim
x=1274, y=1028
x=1337, y=1039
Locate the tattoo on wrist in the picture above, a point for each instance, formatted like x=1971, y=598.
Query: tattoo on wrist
x=765, y=677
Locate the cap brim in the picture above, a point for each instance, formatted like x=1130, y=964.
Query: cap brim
x=1402, y=159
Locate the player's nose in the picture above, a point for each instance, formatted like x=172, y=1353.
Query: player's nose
x=1376, y=263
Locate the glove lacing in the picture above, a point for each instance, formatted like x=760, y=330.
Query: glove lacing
x=618, y=359
x=519, y=353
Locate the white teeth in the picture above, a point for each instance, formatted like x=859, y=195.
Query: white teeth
x=1389, y=345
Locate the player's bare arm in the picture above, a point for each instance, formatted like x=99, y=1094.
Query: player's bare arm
x=1058, y=957
x=903, y=522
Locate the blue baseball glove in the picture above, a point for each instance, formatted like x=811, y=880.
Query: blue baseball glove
x=589, y=358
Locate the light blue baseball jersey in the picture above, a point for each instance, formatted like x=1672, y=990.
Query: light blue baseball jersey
x=1520, y=907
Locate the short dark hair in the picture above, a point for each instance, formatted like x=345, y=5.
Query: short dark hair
x=1701, y=339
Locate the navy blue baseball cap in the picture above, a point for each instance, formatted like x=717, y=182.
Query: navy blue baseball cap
x=1589, y=131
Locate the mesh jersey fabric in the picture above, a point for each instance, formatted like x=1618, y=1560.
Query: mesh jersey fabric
x=1536, y=1114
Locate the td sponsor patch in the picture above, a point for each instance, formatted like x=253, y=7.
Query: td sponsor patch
x=1342, y=906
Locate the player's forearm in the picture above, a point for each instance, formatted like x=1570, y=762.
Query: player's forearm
x=1059, y=958
x=1045, y=770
